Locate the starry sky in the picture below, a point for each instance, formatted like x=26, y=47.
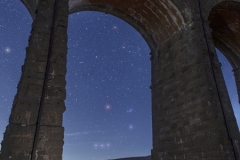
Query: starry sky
x=108, y=77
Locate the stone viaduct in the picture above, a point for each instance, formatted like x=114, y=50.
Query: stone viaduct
x=192, y=117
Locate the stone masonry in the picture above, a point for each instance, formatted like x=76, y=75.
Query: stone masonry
x=192, y=116
x=35, y=125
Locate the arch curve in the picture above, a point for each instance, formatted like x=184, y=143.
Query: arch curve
x=118, y=13
x=155, y=20
x=224, y=20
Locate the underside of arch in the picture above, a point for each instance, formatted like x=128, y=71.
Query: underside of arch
x=155, y=20
x=225, y=24
x=160, y=19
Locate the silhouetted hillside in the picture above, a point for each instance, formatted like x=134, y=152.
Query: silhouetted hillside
x=135, y=158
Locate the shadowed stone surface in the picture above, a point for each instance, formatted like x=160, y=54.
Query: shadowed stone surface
x=192, y=117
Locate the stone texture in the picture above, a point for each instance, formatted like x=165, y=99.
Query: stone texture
x=42, y=85
x=192, y=117
x=189, y=121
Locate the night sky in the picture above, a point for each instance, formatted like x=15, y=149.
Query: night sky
x=108, y=77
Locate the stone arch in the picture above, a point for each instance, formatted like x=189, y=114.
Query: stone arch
x=155, y=20
x=224, y=20
x=183, y=79
x=210, y=12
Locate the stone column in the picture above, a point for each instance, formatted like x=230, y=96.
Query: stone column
x=191, y=111
x=35, y=129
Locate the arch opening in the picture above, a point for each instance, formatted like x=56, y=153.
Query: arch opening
x=224, y=21
x=155, y=25
x=230, y=83
x=111, y=62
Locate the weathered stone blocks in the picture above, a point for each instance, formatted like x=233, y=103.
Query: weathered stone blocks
x=36, y=117
x=188, y=100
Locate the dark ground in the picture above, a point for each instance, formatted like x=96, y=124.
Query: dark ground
x=135, y=158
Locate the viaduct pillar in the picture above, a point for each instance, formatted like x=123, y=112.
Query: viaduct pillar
x=191, y=110
x=35, y=129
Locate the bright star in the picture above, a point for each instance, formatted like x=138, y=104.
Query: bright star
x=115, y=27
x=7, y=50
x=130, y=127
x=107, y=107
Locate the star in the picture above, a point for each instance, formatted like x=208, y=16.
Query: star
x=115, y=27
x=130, y=127
x=107, y=107
x=129, y=110
x=7, y=50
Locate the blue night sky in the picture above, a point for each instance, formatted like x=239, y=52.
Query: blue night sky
x=108, y=77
